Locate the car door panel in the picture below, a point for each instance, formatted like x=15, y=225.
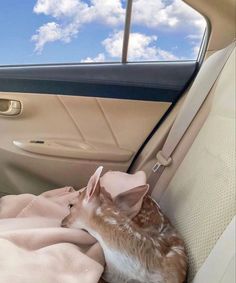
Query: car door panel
x=81, y=127
x=122, y=124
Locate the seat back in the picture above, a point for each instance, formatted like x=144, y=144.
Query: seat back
x=200, y=199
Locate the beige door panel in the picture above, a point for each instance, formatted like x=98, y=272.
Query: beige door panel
x=132, y=121
x=124, y=123
x=78, y=134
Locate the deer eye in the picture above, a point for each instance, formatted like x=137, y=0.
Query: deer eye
x=70, y=205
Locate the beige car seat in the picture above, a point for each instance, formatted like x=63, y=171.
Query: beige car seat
x=200, y=198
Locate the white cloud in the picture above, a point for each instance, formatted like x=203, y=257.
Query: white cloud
x=99, y=58
x=152, y=14
x=141, y=47
x=51, y=32
x=175, y=15
x=113, y=44
x=70, y=15
x=166, y=55
x=110, y=12
x=58, y=8
x=158, y=13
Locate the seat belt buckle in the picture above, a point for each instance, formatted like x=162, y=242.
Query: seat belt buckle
x=156, y=167
x=161, y=161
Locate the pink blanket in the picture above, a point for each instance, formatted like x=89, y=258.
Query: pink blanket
x=33, y=246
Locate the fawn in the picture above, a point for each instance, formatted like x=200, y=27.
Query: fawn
x=139, y=245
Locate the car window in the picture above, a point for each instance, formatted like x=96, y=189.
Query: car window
x=82, y=31
x=165, y=31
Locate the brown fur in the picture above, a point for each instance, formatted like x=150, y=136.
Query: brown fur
x=158, y=237
x=148, y=236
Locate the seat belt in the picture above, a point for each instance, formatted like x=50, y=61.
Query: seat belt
x=199, y=91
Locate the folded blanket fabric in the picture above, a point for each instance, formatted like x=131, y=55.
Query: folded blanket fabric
x=33, y=246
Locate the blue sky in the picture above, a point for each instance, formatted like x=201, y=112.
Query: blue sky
x=65, y=31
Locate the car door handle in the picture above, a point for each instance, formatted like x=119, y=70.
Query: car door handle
x=10, y=107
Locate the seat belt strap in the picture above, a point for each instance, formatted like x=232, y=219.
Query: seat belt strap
x=200, y=89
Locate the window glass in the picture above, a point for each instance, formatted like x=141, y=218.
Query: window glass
x=165, y=30
x=59, y=31
x=83, y=31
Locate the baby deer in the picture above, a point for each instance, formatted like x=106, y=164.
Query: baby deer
x=139, y=243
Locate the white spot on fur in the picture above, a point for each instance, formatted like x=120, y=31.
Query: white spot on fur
x=158, y=252
x=178, y=249
x=99, y=211
x=110, y=220
x=128, y=227
x=170, y=254
x=138, y=235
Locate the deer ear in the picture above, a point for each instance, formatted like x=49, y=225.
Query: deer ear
x=93, y=187
x=130, y=202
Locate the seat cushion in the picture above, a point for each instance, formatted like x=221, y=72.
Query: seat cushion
x=200, y=199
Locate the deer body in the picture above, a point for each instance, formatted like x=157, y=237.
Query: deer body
x=138, y=247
